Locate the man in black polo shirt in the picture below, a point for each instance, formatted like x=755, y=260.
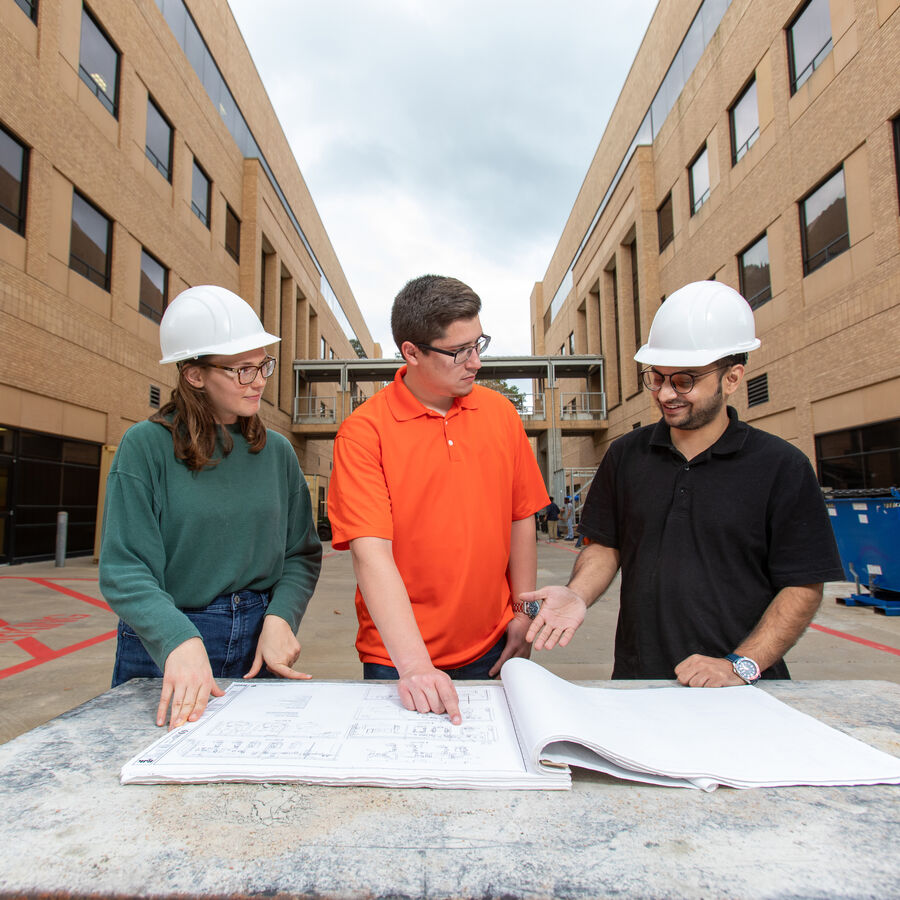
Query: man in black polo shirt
x=719, y=528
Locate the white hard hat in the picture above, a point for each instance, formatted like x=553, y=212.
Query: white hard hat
x=206, y=320
x=697, y=325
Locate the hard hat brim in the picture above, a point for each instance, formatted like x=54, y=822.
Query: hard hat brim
x=239, y=345
x=663, y=356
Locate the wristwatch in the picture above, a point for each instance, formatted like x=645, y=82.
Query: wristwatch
x=744, y=667
x=529, y=607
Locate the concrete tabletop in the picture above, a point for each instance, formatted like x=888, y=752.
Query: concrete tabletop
x=70, y=829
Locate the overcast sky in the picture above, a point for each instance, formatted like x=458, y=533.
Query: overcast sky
x=444, y=137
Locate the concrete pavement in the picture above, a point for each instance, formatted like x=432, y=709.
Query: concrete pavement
x=57, y=636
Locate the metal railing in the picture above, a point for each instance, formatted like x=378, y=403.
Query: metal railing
x=315, y=410
x=529, y=406
x=581, y=406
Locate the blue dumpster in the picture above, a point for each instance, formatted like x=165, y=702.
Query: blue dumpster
x=867, y=529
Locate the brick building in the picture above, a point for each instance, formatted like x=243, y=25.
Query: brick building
x=139, y=154
x=756, y=142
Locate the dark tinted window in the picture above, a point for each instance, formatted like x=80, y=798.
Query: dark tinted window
x=823, y=222
x=29, y=7
x=91, y=241
x=809, y=41
x=13, y=177
x=159, y=140
x=98, y=62
x=754, y=271
x=200, y=190
x=232, y=234
x=154, y=287
x=864, y=457
x=665, y=222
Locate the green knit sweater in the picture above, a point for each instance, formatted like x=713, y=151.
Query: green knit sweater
x=175, y=539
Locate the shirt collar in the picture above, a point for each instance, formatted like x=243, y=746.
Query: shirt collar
x=404, y=405
x=731, y=441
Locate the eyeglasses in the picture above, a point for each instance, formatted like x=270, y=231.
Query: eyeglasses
x=462, y=355
x=247, y=374
x=682, y=382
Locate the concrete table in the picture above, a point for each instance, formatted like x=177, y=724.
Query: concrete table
x=69, y=828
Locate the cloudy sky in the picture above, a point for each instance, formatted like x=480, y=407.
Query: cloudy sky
x=444, y=137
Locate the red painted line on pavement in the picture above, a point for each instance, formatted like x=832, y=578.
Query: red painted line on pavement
x=70, y=593
x=858, y=640
x=34, y=647
x=56, y=654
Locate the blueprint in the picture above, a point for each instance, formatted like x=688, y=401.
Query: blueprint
x=343, y=733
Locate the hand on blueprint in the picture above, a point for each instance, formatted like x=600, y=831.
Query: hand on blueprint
x=516, y=645
x=707, y=671
x=428, y=689
x=562, y=612
x=277, y=649
x=187, y=683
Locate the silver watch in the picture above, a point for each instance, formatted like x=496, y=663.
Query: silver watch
x=529, y=607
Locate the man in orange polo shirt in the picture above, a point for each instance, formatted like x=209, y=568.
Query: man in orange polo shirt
x=434, y=490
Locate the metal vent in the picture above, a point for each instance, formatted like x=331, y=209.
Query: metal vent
x=758, y=390
x=154, y=396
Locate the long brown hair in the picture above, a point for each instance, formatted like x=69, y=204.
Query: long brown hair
x=195, y=432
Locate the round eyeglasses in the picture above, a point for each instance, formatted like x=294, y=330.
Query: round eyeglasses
x=682, y=382
x=464, y=353
x=247, y=374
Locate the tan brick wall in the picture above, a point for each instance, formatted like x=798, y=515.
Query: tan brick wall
x=829, y=339
x=81, y=360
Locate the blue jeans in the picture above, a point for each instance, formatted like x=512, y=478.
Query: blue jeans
x=230, y=627
x=478, y=669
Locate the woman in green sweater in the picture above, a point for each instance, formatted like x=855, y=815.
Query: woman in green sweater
x=209, y=552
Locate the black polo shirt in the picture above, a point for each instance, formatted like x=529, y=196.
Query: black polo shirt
x=705, y=545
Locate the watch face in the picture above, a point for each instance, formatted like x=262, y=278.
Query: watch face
x=746, y=669
x=532, y=608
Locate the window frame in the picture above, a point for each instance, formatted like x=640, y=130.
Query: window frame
x=798, y=80
x=738, y=152
x=667, y=202
x=21, y=214
x=144, y=308
x=757, y=299
x=164, y=170
x=88, y=269
x=808, y=267
x=698, y=203
x=206, y=217
x=29, y=7
x=110, y=103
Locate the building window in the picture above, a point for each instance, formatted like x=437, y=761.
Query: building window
x=698, y=178
x=823, y=223
x=159, y=140
x=90, y=247
x=562, y=350
x=896, y=124
x=744, y=119
x=809, y=41
x=98, y=63
x=864, y=457
x=758, y=390
x=13, y=179
x=154, y=287
x=232, y=234
x=571, y=343
x=200, y=194
x=29, y=7
x=665, y=223
x=324, y=348
x=636, y=306
x=753, y=264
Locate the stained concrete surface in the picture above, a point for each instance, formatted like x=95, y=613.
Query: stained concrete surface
x=57, y=637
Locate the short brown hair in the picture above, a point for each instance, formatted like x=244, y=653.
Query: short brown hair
x=427, y=305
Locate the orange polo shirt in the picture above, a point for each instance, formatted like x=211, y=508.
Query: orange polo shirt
x=445, y=490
